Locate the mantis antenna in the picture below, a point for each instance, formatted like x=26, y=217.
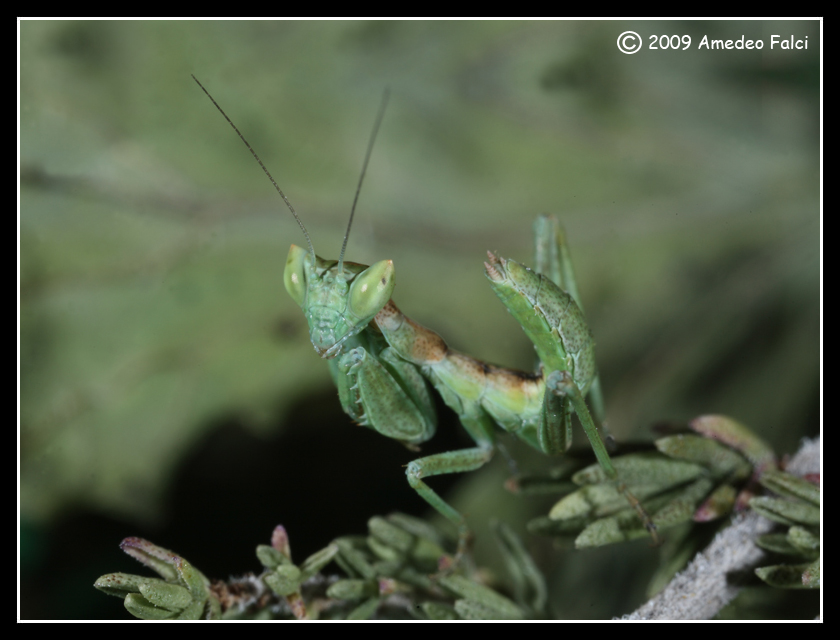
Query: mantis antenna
x=379, y=117
x=254, y=153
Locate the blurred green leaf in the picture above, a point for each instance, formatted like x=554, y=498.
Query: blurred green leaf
x=789, y=485
x=786, y=511
x=791, y=576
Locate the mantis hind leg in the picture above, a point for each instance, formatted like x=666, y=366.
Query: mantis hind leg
x=553, y=260
x=450, y=462
x=561, y=384
x=480, y=428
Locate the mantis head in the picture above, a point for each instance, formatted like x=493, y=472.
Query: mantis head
x=339, y=298
x=338, y=302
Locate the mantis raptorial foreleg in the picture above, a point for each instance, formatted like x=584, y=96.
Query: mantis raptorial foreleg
x=552, y=259
x=380, y=359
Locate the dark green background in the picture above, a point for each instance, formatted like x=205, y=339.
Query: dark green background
x=168, y=388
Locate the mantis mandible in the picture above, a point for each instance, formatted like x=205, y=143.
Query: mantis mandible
x=382, y=361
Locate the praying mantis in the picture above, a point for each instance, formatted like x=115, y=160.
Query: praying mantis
x=382, y=362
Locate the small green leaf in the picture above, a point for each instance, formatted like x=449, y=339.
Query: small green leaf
x=803, y=539
x=811, y=575
x=121, y=584
x=474, y=610
x=427, y=546
x=438, y=611
x=192, y=578
x=642, y=469
x=417, y=527
x=791, y=486
x=158, y=559
x=718, y=504
x=365, y=610
x=389, y=568
x=141, y=608
x=470, y=610
x=426, y=554
x=270, y=557
x=167, y=596
x=481, y=598
x=608, y=531
x=737, y=436
x=785, y=576
x=681, y=508
x=317, y=561
x=722, y=461
x=391, y=535
x=589, y=501
x=193, y=611
x=354, y=559
x=384, y=552
x=353, y=589
x=414, y=576
x=777, y=543
x=789, y=512
x=529, y=585
x=284, y=581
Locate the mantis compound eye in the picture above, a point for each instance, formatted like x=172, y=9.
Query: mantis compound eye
x=371, y=290
x=294, y=276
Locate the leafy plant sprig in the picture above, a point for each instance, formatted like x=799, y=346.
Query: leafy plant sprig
x=403, y=568
x=393, y=572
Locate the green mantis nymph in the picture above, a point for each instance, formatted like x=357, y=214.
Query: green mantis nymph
x=382, y=361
